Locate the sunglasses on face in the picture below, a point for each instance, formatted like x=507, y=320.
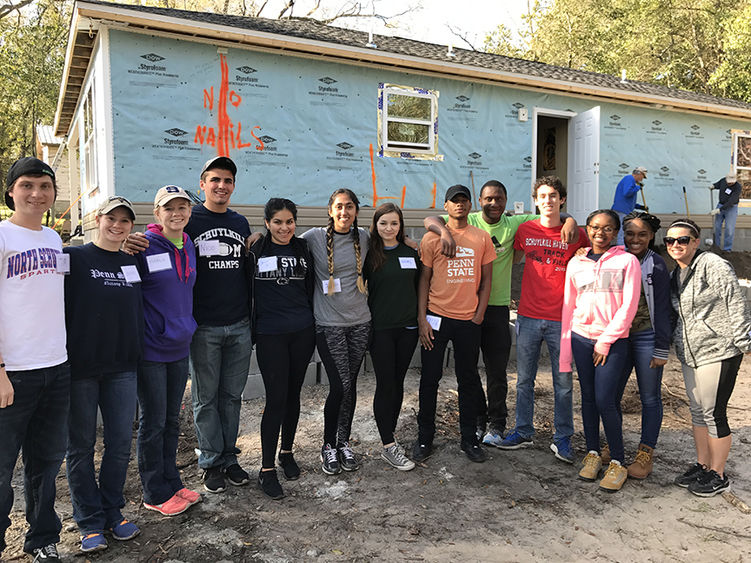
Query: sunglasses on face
x=683, y=241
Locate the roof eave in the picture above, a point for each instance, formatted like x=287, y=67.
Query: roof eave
x=223, y=34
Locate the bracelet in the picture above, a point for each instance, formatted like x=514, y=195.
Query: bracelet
x=2, y=365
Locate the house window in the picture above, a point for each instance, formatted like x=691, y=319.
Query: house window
x=408, y=122
x=89, y=163
x=742, y=160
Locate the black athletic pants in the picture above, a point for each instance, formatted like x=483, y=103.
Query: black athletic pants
x=342, y=349
x=495, y=344
x=283, y=360
x=465, y=336
x=391, y=351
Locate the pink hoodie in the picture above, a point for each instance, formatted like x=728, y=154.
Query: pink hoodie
x=599, y=301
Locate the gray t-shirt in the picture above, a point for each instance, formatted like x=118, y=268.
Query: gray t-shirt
x=348, y=307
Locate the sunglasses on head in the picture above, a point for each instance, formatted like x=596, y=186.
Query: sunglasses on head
x=683, y=241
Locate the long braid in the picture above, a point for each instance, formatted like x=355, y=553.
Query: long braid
x=330, y=254
x=356, y=241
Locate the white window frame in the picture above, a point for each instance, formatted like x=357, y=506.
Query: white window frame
x=89, y=138
x=743, y=172
x=389, y=148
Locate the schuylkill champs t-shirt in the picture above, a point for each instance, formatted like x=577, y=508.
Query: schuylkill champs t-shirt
x=220, y=296
x=546, y=257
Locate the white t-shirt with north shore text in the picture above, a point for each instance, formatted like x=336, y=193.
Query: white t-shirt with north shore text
x=32, y=306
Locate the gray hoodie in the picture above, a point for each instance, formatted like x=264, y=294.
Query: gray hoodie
x=713, y=320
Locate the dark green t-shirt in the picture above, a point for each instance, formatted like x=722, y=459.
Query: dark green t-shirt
x=392, y=289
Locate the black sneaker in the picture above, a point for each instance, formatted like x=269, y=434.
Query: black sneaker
x=329, y=460
x=421, y=452
x=474, y=452
x=47, y=553
x=347, y=460
x=692, y=474
x=236, y=475
x=289, y=465
x=709, y=484
x=269, y=484
x=213, y=480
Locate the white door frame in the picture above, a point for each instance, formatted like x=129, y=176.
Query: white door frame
x=536, y=111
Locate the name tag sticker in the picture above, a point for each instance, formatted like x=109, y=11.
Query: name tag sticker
x=62, y=263
x=407, y=263
x=158, y=262
x=131, y=274
x=268, y=263
x=434, y=322
x=583, y=279
x=728, y=191
x=337, y=286
x=208, y=247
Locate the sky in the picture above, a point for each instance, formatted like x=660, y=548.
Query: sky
x=431, y=20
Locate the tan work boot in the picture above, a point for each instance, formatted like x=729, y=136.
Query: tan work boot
x=605, y=454
x=591, y=465
x=614, y=477
x=642, y=466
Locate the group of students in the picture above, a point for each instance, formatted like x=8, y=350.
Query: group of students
x=133, y=320
x=92, y=328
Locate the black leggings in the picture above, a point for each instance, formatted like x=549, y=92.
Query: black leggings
x=391, y=351
x=342, y=349
x=283, y=359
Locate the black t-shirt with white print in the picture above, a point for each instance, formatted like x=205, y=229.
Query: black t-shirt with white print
x=282, y=302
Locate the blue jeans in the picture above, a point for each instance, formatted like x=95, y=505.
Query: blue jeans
x=160, y=396
x=530, y=334
x=221, y=361
x=729, y=216
x=96, y=506
x=37, y=423
x=601, y=389
x=642, y=345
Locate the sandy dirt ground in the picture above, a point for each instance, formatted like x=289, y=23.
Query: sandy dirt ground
x=518, y=506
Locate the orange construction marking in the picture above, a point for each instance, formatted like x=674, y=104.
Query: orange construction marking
x=404, y=194
x=223, y=118
x=373, y=176
x=435, y=189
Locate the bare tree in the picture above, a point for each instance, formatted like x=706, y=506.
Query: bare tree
x=10, y=7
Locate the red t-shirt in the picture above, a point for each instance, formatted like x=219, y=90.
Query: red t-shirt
x=544, y=268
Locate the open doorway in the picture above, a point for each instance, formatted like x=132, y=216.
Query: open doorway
x=550, y=150
x=552, y=146
x=566, y=144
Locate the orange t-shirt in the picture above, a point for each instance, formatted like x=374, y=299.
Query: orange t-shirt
x=456, y=281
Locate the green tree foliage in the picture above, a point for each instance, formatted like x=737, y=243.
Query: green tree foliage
x=699, y=45
x=33, y=39
x=733, y=76
x=32, y=47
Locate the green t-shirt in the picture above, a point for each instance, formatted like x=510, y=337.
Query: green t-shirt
x=502, y=234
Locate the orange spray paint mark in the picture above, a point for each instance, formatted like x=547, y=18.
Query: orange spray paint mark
x=404, y=195
x=208, y=98
x=435, y=190
x=227, y=134
x=259, y=146
x=373, y=176
x=223, y=117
